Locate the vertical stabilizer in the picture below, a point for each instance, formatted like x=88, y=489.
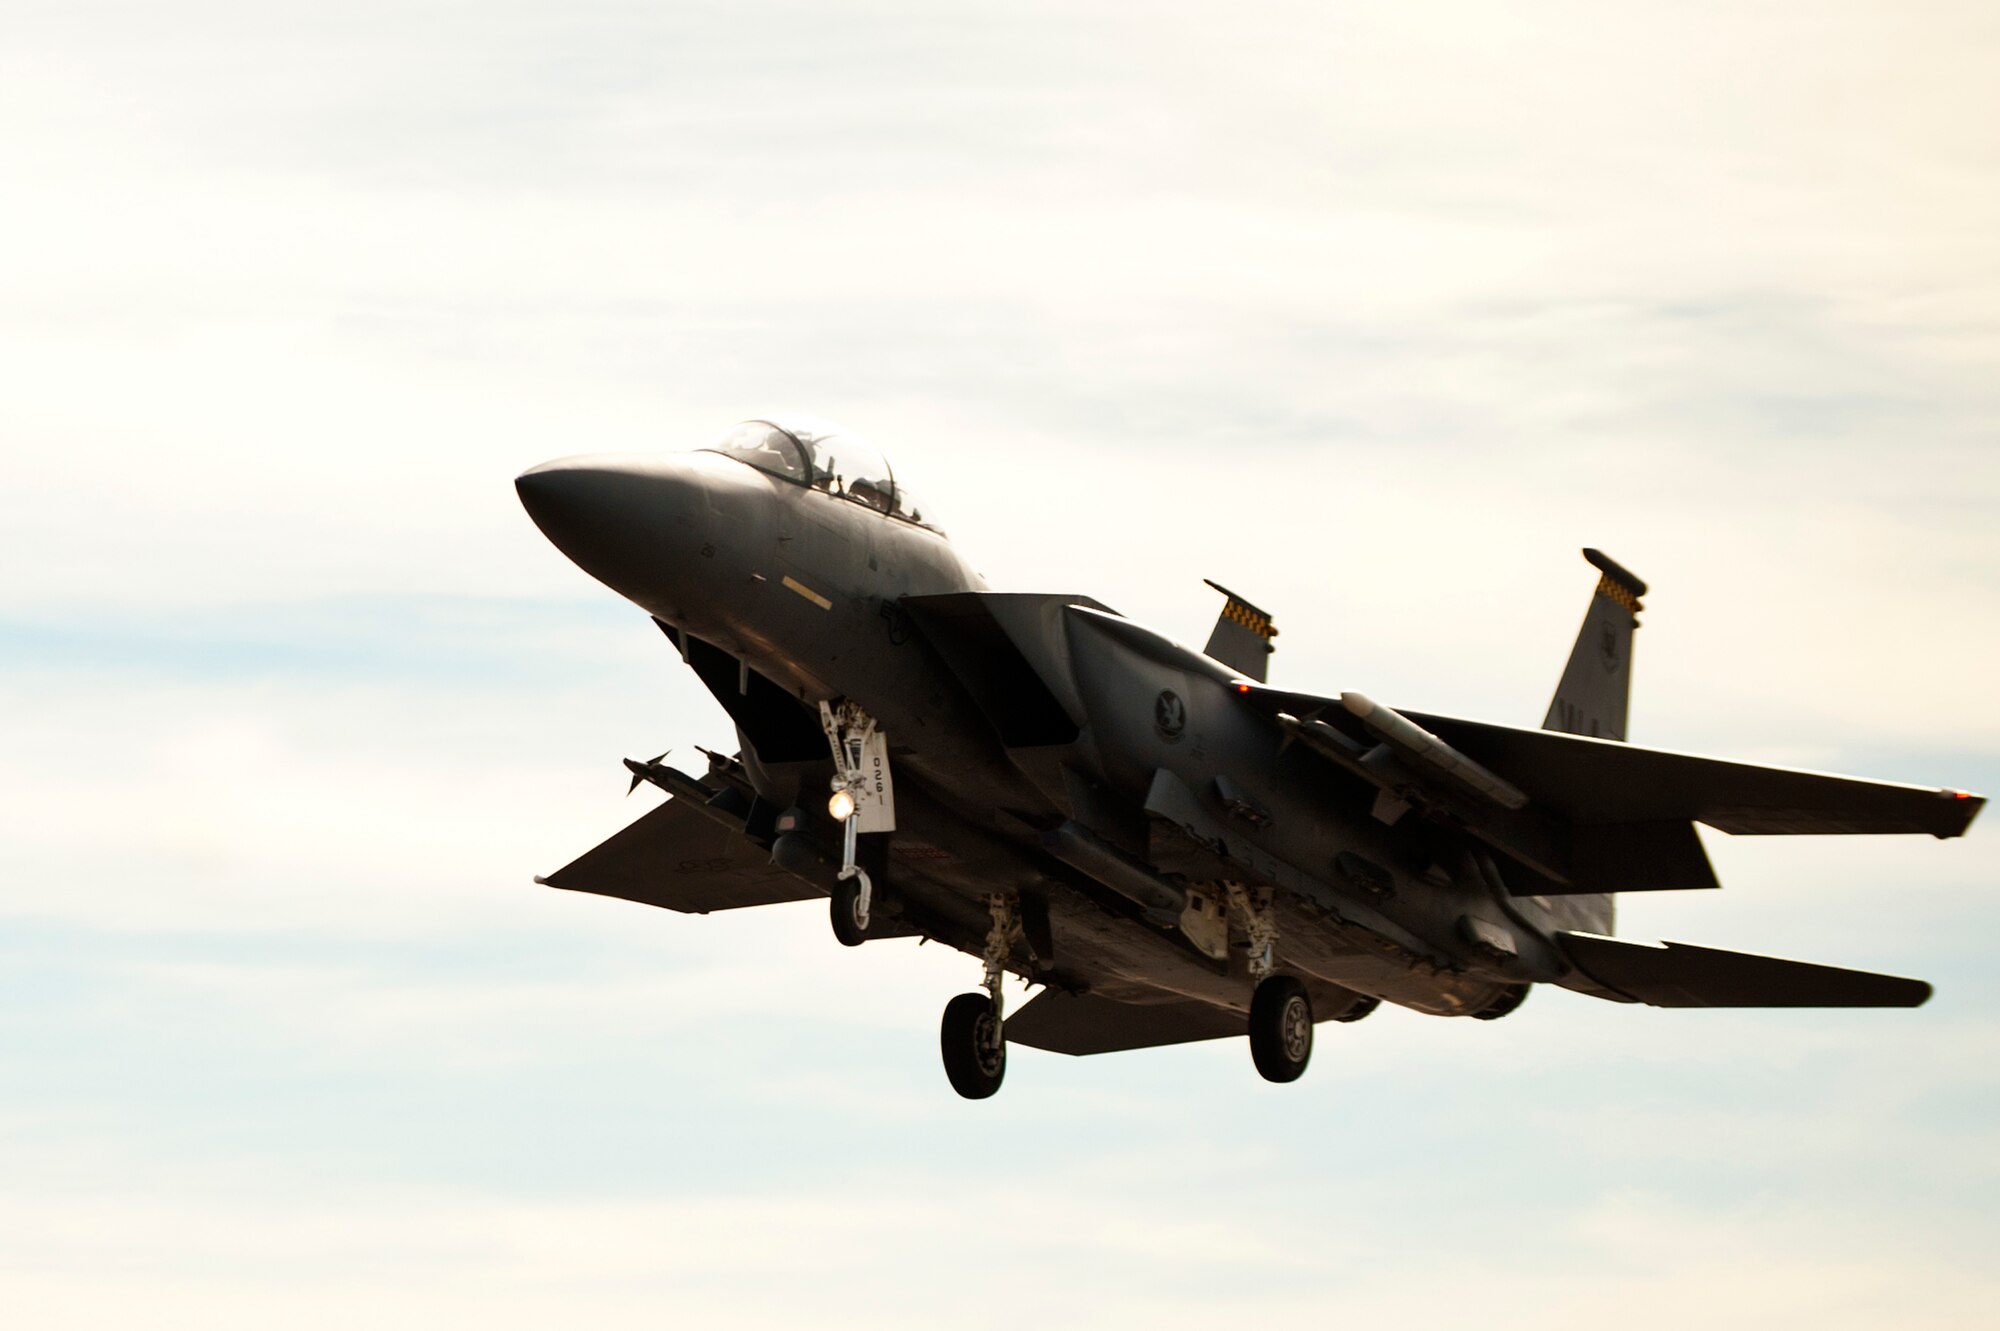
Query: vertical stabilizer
x=1597, y=682
x=1242, y=636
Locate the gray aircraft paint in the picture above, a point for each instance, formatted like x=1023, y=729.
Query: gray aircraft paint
x=1109, y=784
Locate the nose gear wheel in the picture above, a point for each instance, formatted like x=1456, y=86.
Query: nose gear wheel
x=850, y=910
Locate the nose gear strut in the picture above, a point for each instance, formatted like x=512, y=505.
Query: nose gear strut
x=863, y=800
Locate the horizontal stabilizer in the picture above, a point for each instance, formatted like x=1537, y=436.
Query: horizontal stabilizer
x=1593, y=781
x=1637, y=857
x=1086, y=1024
x=678, y=858
x=1682, y=975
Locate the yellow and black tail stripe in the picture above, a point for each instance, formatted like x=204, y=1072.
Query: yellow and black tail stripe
x=1619, y=583
x=1620, y=593
x=1250, y=617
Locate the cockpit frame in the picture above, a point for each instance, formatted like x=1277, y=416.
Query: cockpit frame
x=819, y=456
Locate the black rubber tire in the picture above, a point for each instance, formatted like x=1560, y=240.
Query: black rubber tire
x=1281, y=1028
x=846, y=896
x=975, y=1069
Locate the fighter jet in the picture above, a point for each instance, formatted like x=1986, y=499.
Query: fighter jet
x=1163, y=844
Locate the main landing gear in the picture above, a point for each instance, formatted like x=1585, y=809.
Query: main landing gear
x=1281, y=1028
x=972, y=1037
x=1281, y=1014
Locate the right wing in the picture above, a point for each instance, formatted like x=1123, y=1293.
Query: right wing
x=680, y=859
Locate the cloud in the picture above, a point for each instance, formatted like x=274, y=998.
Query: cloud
x=770, y=1257
x=1374, y=312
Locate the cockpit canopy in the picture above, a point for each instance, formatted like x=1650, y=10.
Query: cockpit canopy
x=825, y=457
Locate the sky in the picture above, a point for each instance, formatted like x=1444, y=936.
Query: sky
x=1376, y=312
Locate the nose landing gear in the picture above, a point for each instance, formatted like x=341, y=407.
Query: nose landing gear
x=863, y=800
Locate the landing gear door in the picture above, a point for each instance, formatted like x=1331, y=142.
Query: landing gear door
x=875, y=793
x=861, y=755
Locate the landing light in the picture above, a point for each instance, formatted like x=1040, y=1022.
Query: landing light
x=841, y=806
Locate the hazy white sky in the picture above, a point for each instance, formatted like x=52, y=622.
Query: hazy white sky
x=1376, y=312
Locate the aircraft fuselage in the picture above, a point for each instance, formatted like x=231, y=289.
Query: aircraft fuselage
x=807, y=589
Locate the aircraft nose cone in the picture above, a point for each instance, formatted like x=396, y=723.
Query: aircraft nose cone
x=633, y=523
x=571, y=495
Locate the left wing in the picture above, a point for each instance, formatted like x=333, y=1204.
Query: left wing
x=679, y=859
x=1591, y=815
x=1596, y=781
x=1593, y=781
